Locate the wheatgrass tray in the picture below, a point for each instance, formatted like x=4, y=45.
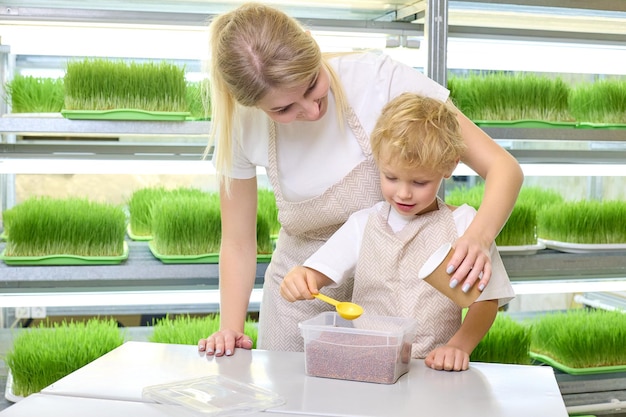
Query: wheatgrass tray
x=125, y=114
x=9, y=395
x=606, y=126
x=576, y=371
x=527, y=123
x=205, y=258
x=521, y=249
x=65, y=259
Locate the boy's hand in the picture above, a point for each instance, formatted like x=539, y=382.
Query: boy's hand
x=299, y=284
x=447, y=358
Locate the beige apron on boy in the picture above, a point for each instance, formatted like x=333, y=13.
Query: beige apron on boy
x=306, y=225
x=386, y=282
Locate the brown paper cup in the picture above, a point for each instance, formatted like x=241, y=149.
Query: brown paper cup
x=434, y=272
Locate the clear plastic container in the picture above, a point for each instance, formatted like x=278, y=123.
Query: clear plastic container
x=213, y=396
x=368, y=349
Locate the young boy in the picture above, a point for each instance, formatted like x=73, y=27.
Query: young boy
x=416, y=143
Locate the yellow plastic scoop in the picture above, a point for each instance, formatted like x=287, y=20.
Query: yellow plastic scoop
x=347, y=310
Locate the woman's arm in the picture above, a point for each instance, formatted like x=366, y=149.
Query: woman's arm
x=503, y=180
x=237, y=266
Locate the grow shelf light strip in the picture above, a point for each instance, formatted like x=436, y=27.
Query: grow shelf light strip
x=162, y=166
x=118, y=298
x=568, y=286
x=561, y=170
x=102, y=166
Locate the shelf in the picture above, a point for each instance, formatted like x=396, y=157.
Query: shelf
x=551, y=271
x=140, y=269
x=605, y=146
x=55, y=124
x=142, y=280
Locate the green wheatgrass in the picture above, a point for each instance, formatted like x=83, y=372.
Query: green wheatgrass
x=185, y=225
x=199, y=99
x=142, y=201
x=187, y=330
x=584, y=222
x=521, y=227
x=581, y=338
x=28, y=94
x=268, y=209
x=42, y=355
x=264, y=243
x=140, y=206
x=43, y=226
x=505, y=96
x=602, y=101
x=507, y=341
x=101, y=84
x=188, y=224
x=539, y=197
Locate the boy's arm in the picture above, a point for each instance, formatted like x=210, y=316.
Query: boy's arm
x=477, y=322
x=454, y=355
x=301, y=282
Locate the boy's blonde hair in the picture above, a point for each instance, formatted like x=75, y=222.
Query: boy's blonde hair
x=255, y=48
x=418, y=132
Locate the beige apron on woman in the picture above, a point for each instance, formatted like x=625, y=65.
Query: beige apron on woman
x=306, y=225
x=386, y=281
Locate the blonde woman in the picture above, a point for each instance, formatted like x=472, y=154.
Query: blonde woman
x=279, y=103
x=416, y=144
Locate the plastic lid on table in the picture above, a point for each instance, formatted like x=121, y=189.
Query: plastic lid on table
x=213, y=395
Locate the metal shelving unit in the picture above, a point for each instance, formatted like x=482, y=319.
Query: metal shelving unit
x=547, y=271
x=143, y=284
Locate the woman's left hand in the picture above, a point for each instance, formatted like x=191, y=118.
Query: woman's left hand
x=471, y=263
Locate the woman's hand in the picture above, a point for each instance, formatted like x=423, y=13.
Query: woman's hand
x=471, y=263
x=224, y=342
x=447, y=358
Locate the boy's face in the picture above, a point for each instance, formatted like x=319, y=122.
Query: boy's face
x=409, y=191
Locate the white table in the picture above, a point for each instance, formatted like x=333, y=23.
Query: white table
x=485, y=390
x=63, y=406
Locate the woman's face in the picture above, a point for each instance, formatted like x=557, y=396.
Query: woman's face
x=308, y=102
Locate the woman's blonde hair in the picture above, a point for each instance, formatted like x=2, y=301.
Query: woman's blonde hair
x=255, y=48
x=415, y=131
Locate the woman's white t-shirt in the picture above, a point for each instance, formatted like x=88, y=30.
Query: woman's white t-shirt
x=312, y=156
x=337, y=258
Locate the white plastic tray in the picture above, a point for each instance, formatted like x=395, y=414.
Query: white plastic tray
x=521, y=250
x=583, y=248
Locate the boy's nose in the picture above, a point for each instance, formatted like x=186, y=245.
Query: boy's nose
x=404, y=191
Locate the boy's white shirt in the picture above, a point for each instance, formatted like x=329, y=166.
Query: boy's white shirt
x=337, y=258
